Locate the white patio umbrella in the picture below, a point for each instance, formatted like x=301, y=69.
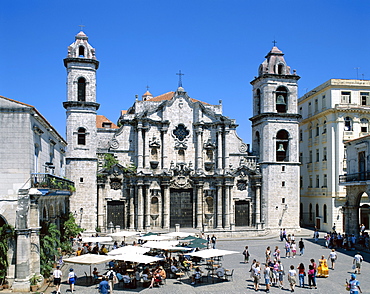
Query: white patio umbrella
x=138, y=258
x=123, y=234
x=160, y=244
x=96, y=239
x=178, y=234
x=88, y=259
x=154, y=238
x=209, y=253
x=129, y=250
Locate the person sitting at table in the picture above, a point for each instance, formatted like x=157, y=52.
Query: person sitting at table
x=196, y=276
x=112, y=264
x=79, y=251
x=146, y=277
x=162, y=272
x=187, y=263
x=174, y=269
x=156, y=278
x=103, y=250
x=126, y=280
x=220, y=272
x=96, y=275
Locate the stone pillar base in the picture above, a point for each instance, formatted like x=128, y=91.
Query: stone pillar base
x=21, y=286
x=260, y=226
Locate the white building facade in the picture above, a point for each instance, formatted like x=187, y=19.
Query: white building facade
x=332, y=113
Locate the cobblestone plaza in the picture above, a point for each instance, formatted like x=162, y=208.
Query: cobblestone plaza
x=241, y=282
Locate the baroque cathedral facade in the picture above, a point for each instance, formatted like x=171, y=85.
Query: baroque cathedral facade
x=179, y=161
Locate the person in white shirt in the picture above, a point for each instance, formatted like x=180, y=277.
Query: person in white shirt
x=256, y=275
x=57, y=274
x=357, y=260
x=220, y=272
x=292, y=277
x=71, y=279
x=333, y=258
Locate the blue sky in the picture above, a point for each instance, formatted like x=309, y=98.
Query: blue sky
x=217, y=44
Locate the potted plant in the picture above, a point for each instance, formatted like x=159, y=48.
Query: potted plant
x=34, y=281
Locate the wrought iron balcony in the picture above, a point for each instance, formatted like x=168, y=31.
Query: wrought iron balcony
x=49, y=181
x=357, y=177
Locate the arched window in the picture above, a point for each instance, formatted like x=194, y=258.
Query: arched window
x=81, y=51
x=258, y=101
x=81, y=91
x=347, y=123
x=325, y=214
x=317, y=210
x=154, y=207
x=81, y=136
x=281, y=99
x=311, y=217
x=282, y=140
x=317, y=130
x=257, y=141
x=280, y=69
x=364, y=125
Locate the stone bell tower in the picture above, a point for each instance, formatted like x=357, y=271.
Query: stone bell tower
x=275, y=132
x=81, y=108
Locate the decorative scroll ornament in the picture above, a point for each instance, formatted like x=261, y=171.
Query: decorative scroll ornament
x=242, y=185
x=115, y=184
x=154, y=142
x=181, y=173
x=113, y=144
x=243, y=148
x=209, y=145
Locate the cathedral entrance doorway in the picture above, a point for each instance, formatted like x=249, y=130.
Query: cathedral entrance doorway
x=115, y=213
x=242, y=214
x=181, y=211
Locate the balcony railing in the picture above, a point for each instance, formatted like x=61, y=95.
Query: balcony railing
x=357, y=177
x=49, y=181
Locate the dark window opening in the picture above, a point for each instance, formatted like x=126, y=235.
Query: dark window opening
x=281, y=99
x=81, y=89
x=282, y=145
x=258, y=102
x=81, y=136
x=81, y=51
x=280, y=69
x=81, y=180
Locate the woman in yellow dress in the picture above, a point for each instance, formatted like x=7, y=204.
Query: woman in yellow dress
x=322, y=269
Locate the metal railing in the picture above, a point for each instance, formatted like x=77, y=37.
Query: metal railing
x=357, y=177
x=49, y=181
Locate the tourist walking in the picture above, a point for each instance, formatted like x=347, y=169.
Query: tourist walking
x=266, y=276
x=292, y=278
x=277, y=253
x=281, y=274
x=251, y=270
x=246, y=254
x=301, y=247
x=104, y=286
x=357, y=261
x=256, y=276
x=57, y=274
x=287, y=249
x=311, y=277
x=301, y=274
x=353, y=285
x=314, y=265
x=268, y=254
x=293, y=248
x=213, y=241
x=322, y=270
x=112, y=278
x=71, y=279
x=333, y=257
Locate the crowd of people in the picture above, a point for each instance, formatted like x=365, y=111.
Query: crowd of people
x=273, y=273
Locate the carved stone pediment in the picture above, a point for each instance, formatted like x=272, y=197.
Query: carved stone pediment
x=181, y=169
x=181, y=182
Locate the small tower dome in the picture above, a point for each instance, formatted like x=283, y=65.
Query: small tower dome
x=274, y=63
x=147, y=95
x=81, y=48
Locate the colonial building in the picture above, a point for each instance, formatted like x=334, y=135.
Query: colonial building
x=334, y=112
x=190, y=166
x=31, y=180
x=356, y=209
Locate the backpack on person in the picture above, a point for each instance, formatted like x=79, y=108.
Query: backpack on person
x=111, y=275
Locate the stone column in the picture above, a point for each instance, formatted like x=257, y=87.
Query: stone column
x=258, y=205
x=147, y=206
x=227, y=149
x=146, y=146
x=132, y=206
x=199, y=153
x=139, y=145
x=227, y=205
x=219, y=204
x=219, y=148
x=164, y=163
x=199, y=209
x=35, y=235
x=140, y=205
x=166, y=204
